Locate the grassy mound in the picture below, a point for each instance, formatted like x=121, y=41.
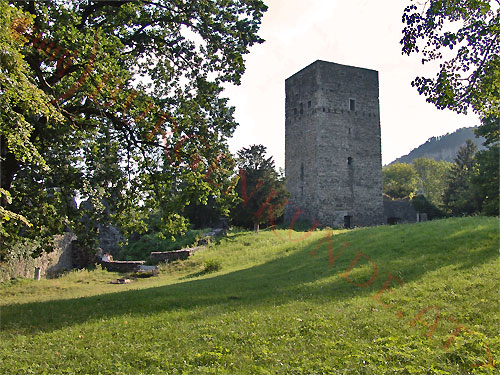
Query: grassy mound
x=404, y=299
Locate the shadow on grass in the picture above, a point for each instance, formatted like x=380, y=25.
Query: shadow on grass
x=410, y=251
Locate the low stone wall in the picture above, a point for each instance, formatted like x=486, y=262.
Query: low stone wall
x=122, y=266
x=170, y=256
x=50, y=264
x=399, y=211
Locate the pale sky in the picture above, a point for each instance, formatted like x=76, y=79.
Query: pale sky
x=362, y=33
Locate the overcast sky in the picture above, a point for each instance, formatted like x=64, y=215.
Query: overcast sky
x=362, y=33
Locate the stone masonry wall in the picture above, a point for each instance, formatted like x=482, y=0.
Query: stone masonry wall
x=332, y=147
x=50, y=263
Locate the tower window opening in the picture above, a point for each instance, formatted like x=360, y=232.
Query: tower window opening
x=352, y=104
x=349, y=161
x=349, y=131
x=309, y=104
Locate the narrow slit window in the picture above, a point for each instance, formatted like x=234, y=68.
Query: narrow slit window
x=349, y=161
x=352, y=104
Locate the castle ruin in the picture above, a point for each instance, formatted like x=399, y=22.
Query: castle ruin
x=332, y=146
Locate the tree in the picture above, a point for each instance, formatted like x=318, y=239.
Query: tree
x=126, y=106
x=486, y=176
x=464, y=37
x=263, y=195
x=461, y=196
x=432, y=179
x=20, y=98
x=400, y=180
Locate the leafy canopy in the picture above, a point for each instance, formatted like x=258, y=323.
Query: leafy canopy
x=464, y=37
x=122, y=101
x=400, y=180
x=432, y=178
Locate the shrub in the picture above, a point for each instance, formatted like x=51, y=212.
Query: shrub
x=212, y=265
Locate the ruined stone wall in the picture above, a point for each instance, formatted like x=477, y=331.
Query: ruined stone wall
x=50, y=264
x=332, y=147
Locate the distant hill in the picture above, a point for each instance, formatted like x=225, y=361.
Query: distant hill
x=444, y=147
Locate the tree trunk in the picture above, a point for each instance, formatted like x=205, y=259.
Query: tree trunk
x=8, y=165
x=256, y=227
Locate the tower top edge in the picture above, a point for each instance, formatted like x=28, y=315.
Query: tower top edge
x=319, y=63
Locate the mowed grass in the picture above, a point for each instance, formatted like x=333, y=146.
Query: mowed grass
x=283, y=302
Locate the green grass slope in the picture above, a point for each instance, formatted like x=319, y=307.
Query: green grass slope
x=405, y=299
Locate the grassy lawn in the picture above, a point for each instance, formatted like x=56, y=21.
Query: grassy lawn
x=275, y=308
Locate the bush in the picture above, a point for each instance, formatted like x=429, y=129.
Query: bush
x=211, y=265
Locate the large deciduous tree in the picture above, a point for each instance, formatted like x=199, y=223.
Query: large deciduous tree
x=120, y=103
x=464, y=37
x=432, y=178
x=400, y=180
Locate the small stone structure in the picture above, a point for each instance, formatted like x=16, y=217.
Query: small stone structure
x=170, y=256
x=122, y=266
x=109, y=239
x=332, y=146
x=401, y=211
x=207, y=238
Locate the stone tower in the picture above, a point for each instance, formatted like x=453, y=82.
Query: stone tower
x=332, y=146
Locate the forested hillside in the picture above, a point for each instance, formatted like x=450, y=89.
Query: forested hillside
x=444, y=147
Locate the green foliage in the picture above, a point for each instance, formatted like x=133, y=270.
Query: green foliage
x=21, y=99
x=400, y=180
x=442, y=148
x=141, y=125
x=274, y=308
x=141, y=248
x=432, y=179
x=487, y=180
x=462, y=197
x=211, y=265
x=422, y=204
x=464, y=38
x=261, y=189
x=489, y=130
x=486, y=176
